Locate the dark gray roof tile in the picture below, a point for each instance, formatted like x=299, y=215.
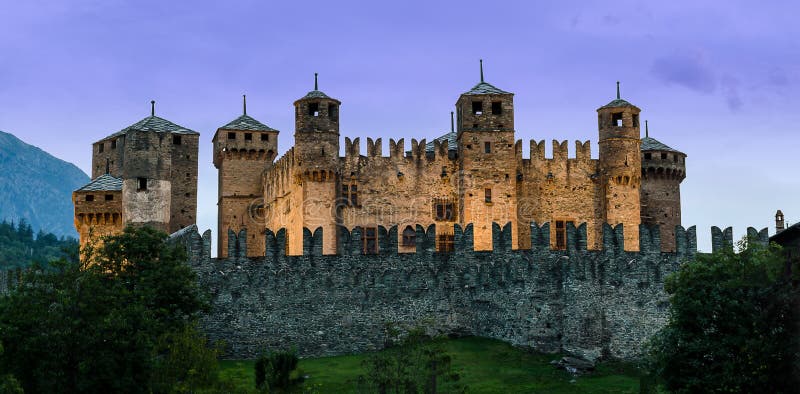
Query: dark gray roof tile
x=485, y=88
x=653, y=144
x=156, y=124
x=246, y=122
x=105, y=182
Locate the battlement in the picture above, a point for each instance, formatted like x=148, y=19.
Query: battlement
x=281, y=174
x=397, y=152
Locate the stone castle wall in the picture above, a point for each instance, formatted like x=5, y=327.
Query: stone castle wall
x=588, y=302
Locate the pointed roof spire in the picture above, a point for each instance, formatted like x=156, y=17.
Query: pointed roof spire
x=617, y=90
x=646, y=130
x=452, y=123
x=316, y=86
x=152, y=107
x=244, y=104
x=481, y=61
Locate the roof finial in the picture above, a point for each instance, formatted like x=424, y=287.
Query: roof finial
x=481, y=70
x=316, y=87
x=244, y=104
x=452, y=123
x=617, y=90
x=152, y=107
x=646, y=130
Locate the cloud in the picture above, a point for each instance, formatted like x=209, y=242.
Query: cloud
x=730, y=88
x=685, y=69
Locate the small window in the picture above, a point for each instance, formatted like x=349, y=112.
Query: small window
x=444, y=243
x=313, y=109
x=109, y=197
x=477, y=107
x=350, y=194
x=248, y=136
x=474, y=125
x=487, y=147
x=100, y=147
x=409, y=237
x=370, y=240
x=561, y=235
x=663, y=156
x=264, y=137
x=497, y=108
x=89, y=197
x=176, y=140
x=616, y=119
x=333, y=111
x=231, y=136
x=444, y=211
x=142, y=183
x=674, y=158
x=186, y=194
x=113, y=144
x=635, y=118
x=488, y=195
x=648, y=156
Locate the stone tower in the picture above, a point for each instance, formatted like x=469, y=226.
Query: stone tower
x=620, y=166
x=149, y=177
x=779, y=224
x=316, y=156
x=486, y=159
x=243, y=149
x=663, y=170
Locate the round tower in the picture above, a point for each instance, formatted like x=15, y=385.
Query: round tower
x=317, y=186
x=620, y=166
x=663, y=170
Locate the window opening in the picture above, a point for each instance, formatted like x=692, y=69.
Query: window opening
x=231, y=136
x=487, y=147
x=648, y=156
x=313, y=109
x=264, y=137
x=248, y=136
x=616, y=119
x=176, y=140
x=109, y=197
x=561, y=235
x=488, y=195
x=477, y=107
x=635, y=120
x=370, y=240
x=444, y=210
x=332, y=111
x=663, y=156
x=100, y=147
x=445, y=243
x=497, y=107
x=409, y=237
x=350, y=194
x=89, y=197
x=113, y=144
x=142, y=183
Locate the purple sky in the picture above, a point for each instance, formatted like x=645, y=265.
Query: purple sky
x=720, y=83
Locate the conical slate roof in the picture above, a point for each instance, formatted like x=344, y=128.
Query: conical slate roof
x=156, y=124
x=616, y=103
x=649, y=144
x=105, y=182
x=485, y=88
x=315, y=94
x=246, y=122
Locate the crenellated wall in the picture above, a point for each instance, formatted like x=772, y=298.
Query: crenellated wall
x=592, y=303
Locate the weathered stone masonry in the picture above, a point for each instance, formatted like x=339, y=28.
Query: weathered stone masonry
x=588, y=302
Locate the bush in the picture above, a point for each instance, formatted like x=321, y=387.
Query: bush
x=277, y=372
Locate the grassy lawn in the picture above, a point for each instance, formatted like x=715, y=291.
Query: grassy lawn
x=485, y=365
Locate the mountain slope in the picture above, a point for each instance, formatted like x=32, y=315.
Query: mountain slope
x=37, y=187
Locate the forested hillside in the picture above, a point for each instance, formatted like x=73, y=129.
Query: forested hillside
x=19, y=246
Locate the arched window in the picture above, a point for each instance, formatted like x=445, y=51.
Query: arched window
x=409, y=237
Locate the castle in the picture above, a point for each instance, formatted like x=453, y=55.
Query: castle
x=147, y=174
x=474, y=174
x=144, y=174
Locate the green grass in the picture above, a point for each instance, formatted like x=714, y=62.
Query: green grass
x=485, y=365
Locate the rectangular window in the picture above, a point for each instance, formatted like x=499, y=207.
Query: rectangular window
x=648, y=156
x=409, y=237
x=616, y=119
x=333, y=112
x=561, y=235
x=370, y=240
x=264, y=137
x=313, y=109
x=100, y=147
x=142, y=183
x=635, y=120
x=663, y=156
x=487, y=147
x=488, y=195
x=350, y=194
x=113, y=144
x=231, y=136
x=444, y=243
x=248, y=136
x=497, y=107
x=477, y=107
x=354, y=195
x=176, y=140
x=109, y=197
x=444, y=211
x=89, y=197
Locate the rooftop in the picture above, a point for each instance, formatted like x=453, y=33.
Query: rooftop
x=654, y=144
x=485, y=88
x=247, y=122
x=450, y=137
x=105, y=182
x=156, y=124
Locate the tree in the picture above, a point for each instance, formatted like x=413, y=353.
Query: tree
x=732, y=327
x=107, y=324
x=276, y=372
x=419, y=364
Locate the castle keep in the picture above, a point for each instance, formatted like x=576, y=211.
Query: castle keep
x=475, y=174
x=144, y=174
